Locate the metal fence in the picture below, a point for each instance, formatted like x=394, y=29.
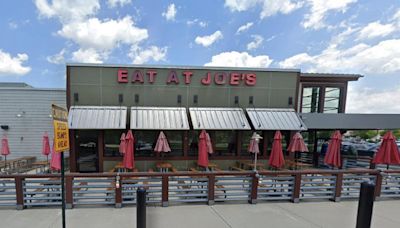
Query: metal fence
x=25, y=191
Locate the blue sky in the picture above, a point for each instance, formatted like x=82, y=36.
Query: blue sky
x=334, y=36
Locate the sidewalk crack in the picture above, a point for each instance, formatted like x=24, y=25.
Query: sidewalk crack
x=221, y=217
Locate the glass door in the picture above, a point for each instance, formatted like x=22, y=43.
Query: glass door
x=87, y=151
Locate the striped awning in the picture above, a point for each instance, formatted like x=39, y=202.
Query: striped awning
x=159, y=118
x=219, y=119
x=275, y=119
x=97, y=117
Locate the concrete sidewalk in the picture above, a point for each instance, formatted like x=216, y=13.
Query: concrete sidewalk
x=285, y=214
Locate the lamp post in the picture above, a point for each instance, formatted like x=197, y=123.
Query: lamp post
x=256, y=137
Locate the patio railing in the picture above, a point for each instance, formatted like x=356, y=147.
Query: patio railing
x=119, y=189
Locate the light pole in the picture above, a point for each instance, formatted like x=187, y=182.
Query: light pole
x=256, y=137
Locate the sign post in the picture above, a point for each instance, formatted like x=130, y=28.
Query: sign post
x=61, y=143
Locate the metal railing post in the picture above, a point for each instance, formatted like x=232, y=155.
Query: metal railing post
x=164, y=189
x=338, y=187
x=141, y=208
x=296, y=188
x=19, y=192
x=254, y=187
x=378, y=185
x=365, y=205
x=118, y=191
x=69, y=192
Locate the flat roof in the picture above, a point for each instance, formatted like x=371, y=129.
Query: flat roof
x=331, y=75
x=344, y=121
x=183, y=67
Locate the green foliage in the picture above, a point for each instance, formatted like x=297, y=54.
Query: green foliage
x=365, y=134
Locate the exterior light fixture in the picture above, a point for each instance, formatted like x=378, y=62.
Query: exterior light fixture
x=21, y=114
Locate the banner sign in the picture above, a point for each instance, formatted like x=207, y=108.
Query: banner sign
x=60, y=123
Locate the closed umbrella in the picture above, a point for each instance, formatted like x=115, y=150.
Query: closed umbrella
x=276, y=158
x=210, y=149
x=203, y=148
x=55, y=162
x=162, y=144
x=332, y=156
x=297, y=145
x=5, y=149
x=46, y=146
x=254, y=148
x=122, y=144
x=129, y=160
x=388, y=152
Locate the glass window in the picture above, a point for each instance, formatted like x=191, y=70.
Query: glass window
x=224, y=141
x=310, y=99
x=193, y=143
x=87, y=156
x=111, y=143
x=145, y=142
x=331, y=102
x=175, y=140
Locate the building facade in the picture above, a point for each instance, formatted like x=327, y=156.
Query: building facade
x=25, y=115
x=105, y=101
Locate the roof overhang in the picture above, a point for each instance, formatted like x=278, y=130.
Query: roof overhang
x=97, y=117
x=342, y=121
x=219, y=119
x=275, y=119
x=156, y=118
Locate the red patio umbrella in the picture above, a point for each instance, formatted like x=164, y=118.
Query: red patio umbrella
x=276, y=158
x=129, y=159
x=122, y=144
x=297, y=145
x=388, y=152
x=203, y=148
x=254, y=148
x=5, y=149
x=46, y=146
x=162, y=144
x=55, y=162
x=332, y=156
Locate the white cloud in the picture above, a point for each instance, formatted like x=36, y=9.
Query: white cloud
x=197, y=21
x=244, y=28
x=255, y=43
x=368, y=100
x=239, y=59
x=67, y=10
x=13, y=25
x=140, y=56
x=115, y=3
x=381, y=58
x=170, y=13
x=208, y=40
x=89, y=55
x=103, y=36
x=320, y=9
x=376, y=29
x=13, y=65
x=268, y=7
x=57, y=58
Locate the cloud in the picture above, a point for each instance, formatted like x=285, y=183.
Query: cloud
x=140, y=56
x=13, y=65
x=208, y=40
x=376, y=29
x=382, y=58
x=197, y=21
x=244, y=28
x=255, y=43
x=368, y=100
x=319, y=10
x=57, y=58
x=268, y=7
x=89, y=55
x=103, y=36
x=115, y=3
x=13, y=25
x=67, y=10
x=170, y=13
x=239, y=59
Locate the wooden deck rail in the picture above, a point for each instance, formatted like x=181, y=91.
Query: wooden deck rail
x=293, y=183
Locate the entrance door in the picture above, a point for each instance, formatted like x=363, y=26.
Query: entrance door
x=87, y=151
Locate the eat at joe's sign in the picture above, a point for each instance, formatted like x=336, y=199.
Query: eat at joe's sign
x=186, y=77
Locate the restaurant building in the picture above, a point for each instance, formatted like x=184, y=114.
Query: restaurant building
x=105, y=101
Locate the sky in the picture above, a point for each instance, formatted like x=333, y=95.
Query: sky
x=39, y=37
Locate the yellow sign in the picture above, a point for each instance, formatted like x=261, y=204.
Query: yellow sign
x=60, y=123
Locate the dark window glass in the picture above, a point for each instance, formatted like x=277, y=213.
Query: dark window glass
x=145, y=142
x=87, y=153
x=193, y=143
x=175, y=140
x=112, y=139
x=224, y=142
x=331, y=102
x=310, y=99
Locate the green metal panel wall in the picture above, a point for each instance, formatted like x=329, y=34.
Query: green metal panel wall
x=98, y=85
